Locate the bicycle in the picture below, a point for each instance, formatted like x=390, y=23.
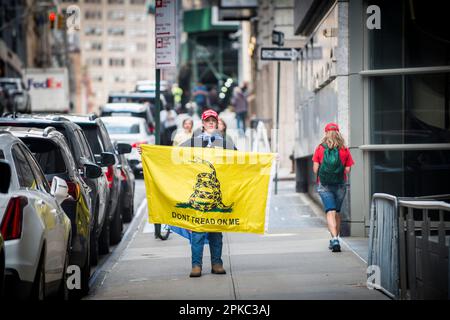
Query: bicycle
x=162, y=231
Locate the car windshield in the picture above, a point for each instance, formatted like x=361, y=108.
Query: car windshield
x=121, y=128
x=8, y=85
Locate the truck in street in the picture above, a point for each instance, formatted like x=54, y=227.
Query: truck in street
x=49, y=90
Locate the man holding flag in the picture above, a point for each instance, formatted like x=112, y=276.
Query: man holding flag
x=196, y=187
x=209, y=138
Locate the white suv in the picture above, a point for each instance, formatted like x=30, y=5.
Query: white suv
x=35, y=229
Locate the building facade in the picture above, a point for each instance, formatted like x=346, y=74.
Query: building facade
x=380, y=69
x=116, y=43
x=279, y=16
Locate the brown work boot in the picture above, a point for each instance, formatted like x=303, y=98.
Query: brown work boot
x=218, y=269
x=196, y=272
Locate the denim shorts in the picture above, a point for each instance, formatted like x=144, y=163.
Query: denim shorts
x=332, y=196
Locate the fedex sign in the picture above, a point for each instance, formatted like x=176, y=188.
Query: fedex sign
x=49, y=83
x=49, y=89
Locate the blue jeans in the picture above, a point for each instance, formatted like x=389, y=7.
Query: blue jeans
x=215, y=247
x=332, y=196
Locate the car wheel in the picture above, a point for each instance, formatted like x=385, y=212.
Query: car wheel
x=38, y=292
x=128, y=212
x=104, y=241
x=116, y=227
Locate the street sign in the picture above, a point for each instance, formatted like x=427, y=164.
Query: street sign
x=166, y=18
x=166, y=33
x=279, y=54
x=278, y=38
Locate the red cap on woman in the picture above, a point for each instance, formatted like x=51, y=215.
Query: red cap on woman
x=331, y=127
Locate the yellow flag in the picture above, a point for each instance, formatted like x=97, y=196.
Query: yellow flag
x=207, y=189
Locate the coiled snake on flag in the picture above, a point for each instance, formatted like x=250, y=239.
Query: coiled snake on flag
x=207, y=195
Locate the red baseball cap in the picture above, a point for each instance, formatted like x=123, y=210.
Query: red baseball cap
x=210, y=113
x=331, y=127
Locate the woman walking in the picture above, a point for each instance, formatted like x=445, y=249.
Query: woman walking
x=331, y=162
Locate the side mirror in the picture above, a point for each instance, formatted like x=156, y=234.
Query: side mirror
x=108, y=159
x=123, y=148
x=5, y=173
x=59, y=189
x=92, y=171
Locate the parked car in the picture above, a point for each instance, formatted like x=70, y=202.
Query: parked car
x=17, y=96
x=132, y=130
x=5, y=173
x=101, y=145
x=85, y=164
x=50, y=149
x=147, y=98
x=127, y=184
x=3, y=100
x=2, y=266
x=35, y=229
x=121, y=109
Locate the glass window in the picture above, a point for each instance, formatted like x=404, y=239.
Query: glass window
x=116, y=31
x=410, y=109
x=413, y=34
x=93, y=31
x=92, y=15
x=93, y=138
x=411, y=173
x=47, y=154
x=87, y=153
x=116, y=62
x=116, y=15
x=24, y=172
x=118, y=128
x=41, y=182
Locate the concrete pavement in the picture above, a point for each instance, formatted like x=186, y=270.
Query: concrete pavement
x=291, y=261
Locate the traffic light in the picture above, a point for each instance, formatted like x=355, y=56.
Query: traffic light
x=51, y=20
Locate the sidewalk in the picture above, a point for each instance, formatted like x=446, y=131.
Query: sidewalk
x=291, y=261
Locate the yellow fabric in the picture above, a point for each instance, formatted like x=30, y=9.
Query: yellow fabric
x=177, y=179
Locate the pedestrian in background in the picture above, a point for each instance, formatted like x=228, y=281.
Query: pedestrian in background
x=168, y=125
x=331, y=162
x=210, y=138
x=239, y=101
x=200, y=95
x=213, y=99
x=185, y=133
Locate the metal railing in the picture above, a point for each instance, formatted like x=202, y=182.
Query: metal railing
x=410, y=242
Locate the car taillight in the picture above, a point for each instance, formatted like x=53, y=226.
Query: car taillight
x=110, y=176
x=151, y=128
x=74, y=189
x=123, y=175
x=11, y=227
x=137, y=144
